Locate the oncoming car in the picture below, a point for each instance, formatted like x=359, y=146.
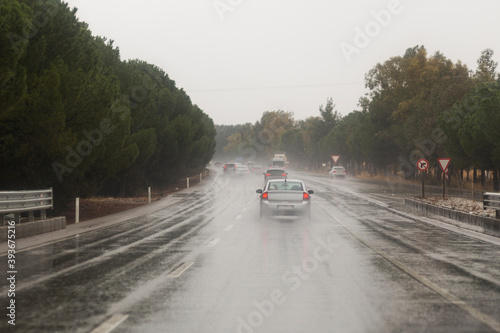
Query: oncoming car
x=285, y=197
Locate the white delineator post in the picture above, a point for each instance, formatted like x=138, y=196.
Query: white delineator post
x=149, y=195
x=77, y=210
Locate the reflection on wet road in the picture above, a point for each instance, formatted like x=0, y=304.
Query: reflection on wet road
x=209, y=264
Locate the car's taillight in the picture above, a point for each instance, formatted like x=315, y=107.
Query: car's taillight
x=265, y=195
x=305, y=196
x=283, y=174
x=268, y=174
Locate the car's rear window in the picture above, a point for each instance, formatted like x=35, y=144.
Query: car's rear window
x=291, y=186
x=275, y=172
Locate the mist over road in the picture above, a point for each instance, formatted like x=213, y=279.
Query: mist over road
x=209, y=264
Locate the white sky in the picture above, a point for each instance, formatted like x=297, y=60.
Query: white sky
x=252, y=56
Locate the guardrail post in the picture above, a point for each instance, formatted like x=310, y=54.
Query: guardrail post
x=201, y=176
x=31, y=216
x=77, y=210
x=43, y=214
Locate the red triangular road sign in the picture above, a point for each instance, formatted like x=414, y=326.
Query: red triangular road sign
x=444, y=162
x=335, y=158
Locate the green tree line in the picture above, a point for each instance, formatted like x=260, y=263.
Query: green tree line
x=417, y=106
x=77, y=118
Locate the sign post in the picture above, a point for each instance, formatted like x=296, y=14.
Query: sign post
x=444, y=163
x=423, y=165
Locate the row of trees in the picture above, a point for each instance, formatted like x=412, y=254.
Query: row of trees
x=418, y=106
x=77, y=118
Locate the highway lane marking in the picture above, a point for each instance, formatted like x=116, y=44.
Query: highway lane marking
x=238, y=217
x=115, y=224
x=179, y=270
x=110, y=324
x=109, y=254
x=213, y=242
x=229, y=227
x=486, y=319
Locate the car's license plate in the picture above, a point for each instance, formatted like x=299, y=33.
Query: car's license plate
x=285, y=207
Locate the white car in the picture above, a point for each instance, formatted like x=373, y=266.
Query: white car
x=285, y=197
x=241, y=170
x=337, y=171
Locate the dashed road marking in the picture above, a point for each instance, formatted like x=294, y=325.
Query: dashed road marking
x=179, y=270
x=238, y=217
x=229, y=227
x=110, y=324
x=213, y=242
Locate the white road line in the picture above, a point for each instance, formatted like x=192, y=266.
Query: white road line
x=486, y=319
x=110, y=324
x=238, y=217
x=179, y=270
x=229, y=227
x=213, y=243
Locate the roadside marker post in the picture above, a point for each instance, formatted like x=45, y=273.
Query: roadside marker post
x=77, y=210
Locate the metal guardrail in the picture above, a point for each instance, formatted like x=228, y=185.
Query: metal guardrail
x=492, y=200
x=17, y=202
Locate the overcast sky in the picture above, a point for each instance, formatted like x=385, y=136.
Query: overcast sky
x=239, y=58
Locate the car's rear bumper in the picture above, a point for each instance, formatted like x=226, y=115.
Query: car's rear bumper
x=284, y=208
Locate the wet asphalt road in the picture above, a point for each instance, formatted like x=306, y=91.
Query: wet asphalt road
x=209, y=264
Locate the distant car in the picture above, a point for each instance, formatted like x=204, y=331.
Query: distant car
x=250, y=164
x=337, y=171
x=257, y=168
x=285, y=197
x=229, y=168
x=275, y=173
x=218, y=164
x=241, y=169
